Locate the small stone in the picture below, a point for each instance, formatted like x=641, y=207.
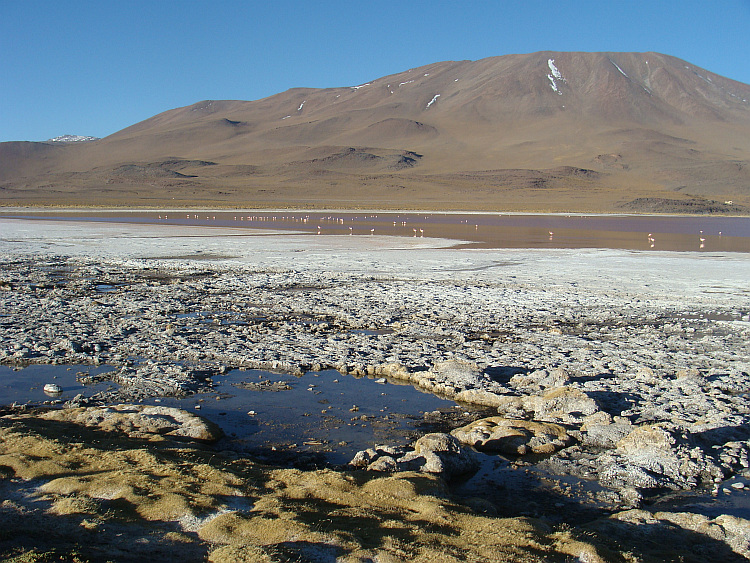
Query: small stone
x=52, y=389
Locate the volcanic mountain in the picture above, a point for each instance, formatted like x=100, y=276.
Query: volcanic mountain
x=547, y=131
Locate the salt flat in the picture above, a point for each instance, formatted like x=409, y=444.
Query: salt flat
x=659, y=273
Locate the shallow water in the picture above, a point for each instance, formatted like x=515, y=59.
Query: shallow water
x=26, y=385
x=327, y=412
x=480, y=230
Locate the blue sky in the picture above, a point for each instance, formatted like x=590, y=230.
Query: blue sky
x=92, y=68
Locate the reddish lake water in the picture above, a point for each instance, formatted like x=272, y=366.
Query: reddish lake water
x=480, y=230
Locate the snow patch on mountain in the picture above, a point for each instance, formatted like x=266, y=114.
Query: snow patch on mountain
x=72, y=139
x=433, y=100
x=554, y=76
x=618, y=68
x=553, y=69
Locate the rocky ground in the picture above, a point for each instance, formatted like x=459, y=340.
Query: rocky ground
x=623, y=370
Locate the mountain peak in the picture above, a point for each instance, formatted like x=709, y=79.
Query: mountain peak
x=503, y=132
x=72, y=139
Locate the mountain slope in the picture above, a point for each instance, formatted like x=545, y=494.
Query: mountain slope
x=649, y=127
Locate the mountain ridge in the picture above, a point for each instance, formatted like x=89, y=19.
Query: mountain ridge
x=651, y=126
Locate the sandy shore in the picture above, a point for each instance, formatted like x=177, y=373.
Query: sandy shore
x=640, y=358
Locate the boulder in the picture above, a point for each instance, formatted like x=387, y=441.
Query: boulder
x=647, y=439
x=566, y=405
x=540, y=379
x=437, y=453
x=657, y=456
x=363, y=458
x=383, y=463
x=459, y=372
x=601, y=430
x=514, y=437
x=379, y=458
x=440, y=454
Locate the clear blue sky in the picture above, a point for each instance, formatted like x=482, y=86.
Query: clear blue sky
x=92, y=68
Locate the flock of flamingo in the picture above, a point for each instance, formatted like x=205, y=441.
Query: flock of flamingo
x=701, y=240
x=327, y=220
x=305, y=219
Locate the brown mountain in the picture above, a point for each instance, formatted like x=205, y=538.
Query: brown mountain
x=538, y=132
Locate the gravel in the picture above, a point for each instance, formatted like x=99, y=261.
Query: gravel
x=642, y=356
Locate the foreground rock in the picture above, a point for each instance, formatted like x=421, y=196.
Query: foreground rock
x=455, y=379
x=141, y=421
x=514, y=437
x=658, y=456
x=145, y=380
x=437, y=453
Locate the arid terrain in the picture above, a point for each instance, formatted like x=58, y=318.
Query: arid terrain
x=548, y=131
x=603, y=398
x=598, y=378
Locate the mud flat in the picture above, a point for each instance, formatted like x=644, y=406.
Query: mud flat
x=614, y=386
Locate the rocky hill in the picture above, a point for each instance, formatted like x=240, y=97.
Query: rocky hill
x=547, y=131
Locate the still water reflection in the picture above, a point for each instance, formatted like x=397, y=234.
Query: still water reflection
x=476, y=230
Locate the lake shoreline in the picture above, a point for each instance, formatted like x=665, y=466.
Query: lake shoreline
x=476, y=231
